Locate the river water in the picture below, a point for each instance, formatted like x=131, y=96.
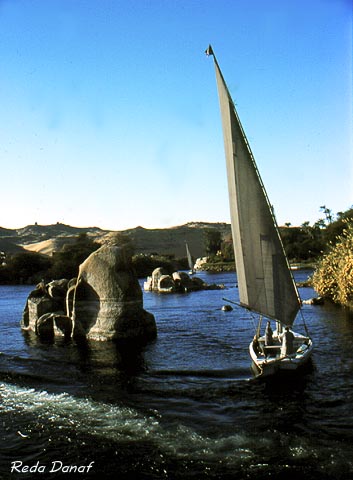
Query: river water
x=186, y=406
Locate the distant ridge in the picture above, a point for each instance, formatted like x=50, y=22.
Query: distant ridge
x=58, y=229
x=47, y=239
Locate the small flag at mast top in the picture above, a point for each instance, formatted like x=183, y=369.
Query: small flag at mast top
x=209, y=51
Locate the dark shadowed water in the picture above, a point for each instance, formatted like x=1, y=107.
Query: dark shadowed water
x=186, y=406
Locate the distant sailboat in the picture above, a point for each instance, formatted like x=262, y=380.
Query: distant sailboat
x=266, y=285
x=190, y=262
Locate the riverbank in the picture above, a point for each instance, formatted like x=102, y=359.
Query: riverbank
x=218, y=267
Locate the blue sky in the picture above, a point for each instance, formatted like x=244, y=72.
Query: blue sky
x=110, y=111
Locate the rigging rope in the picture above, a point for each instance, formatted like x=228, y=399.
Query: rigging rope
x=305, y=327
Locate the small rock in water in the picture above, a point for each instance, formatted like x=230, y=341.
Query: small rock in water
x=227, y=308
x=314, y=301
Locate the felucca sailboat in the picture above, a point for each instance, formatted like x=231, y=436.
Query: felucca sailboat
x=190, y=262
x=266, y=285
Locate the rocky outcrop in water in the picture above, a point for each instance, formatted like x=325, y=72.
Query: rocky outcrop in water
x=54, y=324
x=108, y=298
x=178, y=282
x=200, y=263
x=314, y=301
x=103, y=303
x=43, y=300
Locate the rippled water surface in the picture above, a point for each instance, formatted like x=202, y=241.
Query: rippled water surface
x=186, y=406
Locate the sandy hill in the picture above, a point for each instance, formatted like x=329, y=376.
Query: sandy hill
x=44, y=239
x=47, y=239
x=172, y=240
x=47, y=247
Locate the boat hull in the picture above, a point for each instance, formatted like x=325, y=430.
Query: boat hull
x=267, y=364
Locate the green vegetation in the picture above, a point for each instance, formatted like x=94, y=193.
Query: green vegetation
x=333, y=278
x=213, y=241
x=304, y=243
x=24, y=268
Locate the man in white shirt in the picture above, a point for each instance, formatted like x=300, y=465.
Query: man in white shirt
x=287, y=339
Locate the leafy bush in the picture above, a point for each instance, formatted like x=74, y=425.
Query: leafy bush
x=213, y=241
x=25, y=267
x=333, y=277
x=302, y=243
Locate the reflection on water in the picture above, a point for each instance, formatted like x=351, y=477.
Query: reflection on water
x=92, y=355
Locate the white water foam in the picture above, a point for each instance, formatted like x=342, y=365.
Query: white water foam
x=120, y=423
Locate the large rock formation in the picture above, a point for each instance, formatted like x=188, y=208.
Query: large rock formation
x=104, y=303
x=161, y=282
x=108, y=299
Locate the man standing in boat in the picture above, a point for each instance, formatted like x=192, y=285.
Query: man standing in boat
x=287, y=339
x=268, y=335
x=269, y=340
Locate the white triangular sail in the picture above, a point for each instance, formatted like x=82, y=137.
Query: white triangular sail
x=264, y=278
x=188, y=254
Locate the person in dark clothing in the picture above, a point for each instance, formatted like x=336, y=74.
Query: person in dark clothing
x=268, y=335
